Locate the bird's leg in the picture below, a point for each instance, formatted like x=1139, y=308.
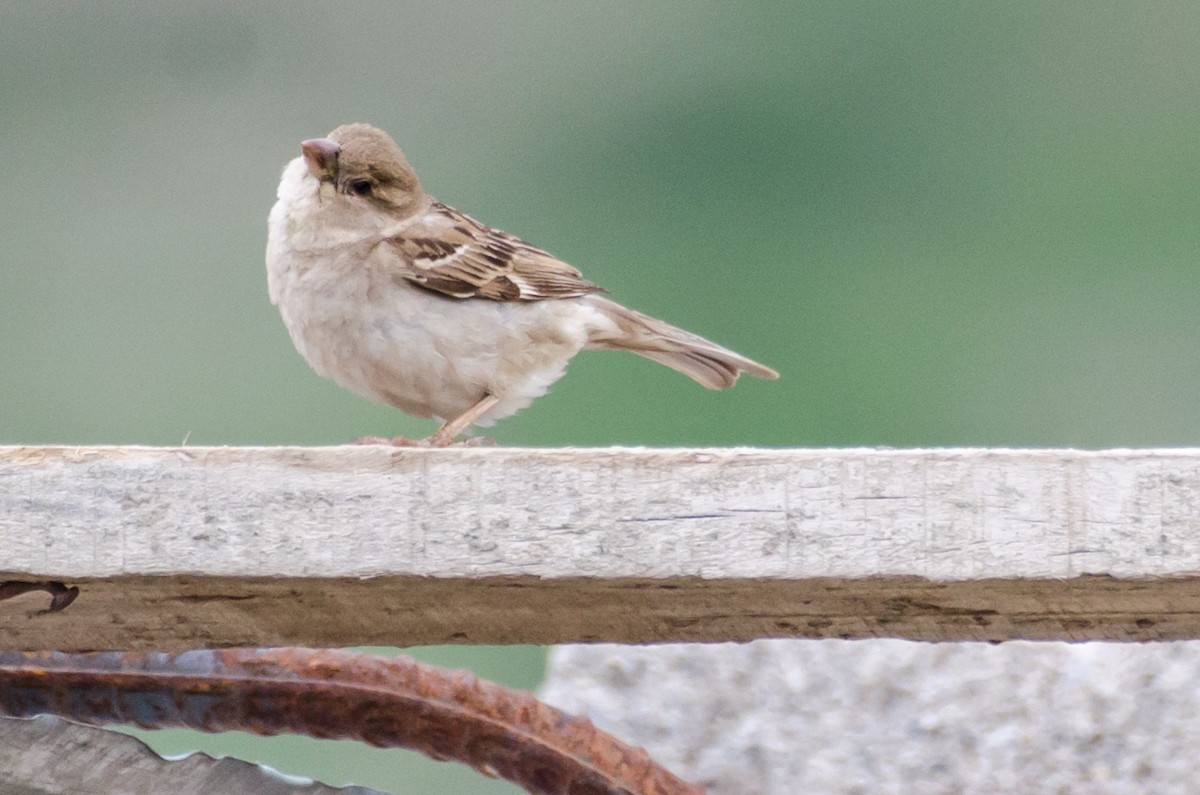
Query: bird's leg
x=397, y=441
x=445, y=435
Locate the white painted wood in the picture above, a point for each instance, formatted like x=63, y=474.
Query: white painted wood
x=363, y=511
x=611, y=544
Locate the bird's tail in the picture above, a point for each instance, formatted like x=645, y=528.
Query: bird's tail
x=705, y=362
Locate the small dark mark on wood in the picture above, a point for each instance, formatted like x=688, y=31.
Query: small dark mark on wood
x=60, y=595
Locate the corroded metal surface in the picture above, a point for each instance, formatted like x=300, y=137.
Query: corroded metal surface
x=48, y=755
x=390, y=702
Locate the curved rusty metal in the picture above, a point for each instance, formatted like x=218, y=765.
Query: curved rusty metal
x=389, y=702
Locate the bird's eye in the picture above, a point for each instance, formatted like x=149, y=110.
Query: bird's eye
x=360, y=187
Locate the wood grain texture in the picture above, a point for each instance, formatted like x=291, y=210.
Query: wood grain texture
x=179, y=547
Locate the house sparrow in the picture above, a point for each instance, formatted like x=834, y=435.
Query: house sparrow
x=407, y=301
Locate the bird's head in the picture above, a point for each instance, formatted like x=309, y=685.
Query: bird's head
x=360, y=166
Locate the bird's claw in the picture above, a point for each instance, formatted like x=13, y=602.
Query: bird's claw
x=432, y=442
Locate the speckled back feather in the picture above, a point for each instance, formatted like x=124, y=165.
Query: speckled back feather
x=466, y=259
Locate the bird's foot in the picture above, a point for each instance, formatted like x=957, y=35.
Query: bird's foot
x=399, y=441
x=434, y=441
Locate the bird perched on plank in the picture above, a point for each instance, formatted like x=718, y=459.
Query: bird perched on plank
x=409, y=302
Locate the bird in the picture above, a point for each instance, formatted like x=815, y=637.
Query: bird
x=407, y=301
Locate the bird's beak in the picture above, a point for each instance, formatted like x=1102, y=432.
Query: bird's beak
x=321, y=155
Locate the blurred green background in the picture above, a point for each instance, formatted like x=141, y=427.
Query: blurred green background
x=944, y=223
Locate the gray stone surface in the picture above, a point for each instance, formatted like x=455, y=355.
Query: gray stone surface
x=885, y=716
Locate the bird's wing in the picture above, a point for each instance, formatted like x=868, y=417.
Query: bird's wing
x=453, y=254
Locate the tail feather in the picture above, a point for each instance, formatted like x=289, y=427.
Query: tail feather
x=705, y=362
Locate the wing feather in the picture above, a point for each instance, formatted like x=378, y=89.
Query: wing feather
x=463, y=258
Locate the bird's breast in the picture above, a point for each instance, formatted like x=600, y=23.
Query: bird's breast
x=424, y=353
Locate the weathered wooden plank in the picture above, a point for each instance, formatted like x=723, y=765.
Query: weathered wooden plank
x=177, y=547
